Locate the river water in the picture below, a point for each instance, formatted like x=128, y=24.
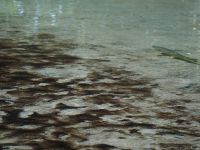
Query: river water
x=83, y=74
x=131, y=23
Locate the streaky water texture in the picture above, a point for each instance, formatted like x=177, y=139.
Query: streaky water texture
x=82, y=75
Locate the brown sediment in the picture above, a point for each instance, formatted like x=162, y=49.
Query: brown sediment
x=167, y=115
x=17, y=78
x=134, y=131
x=49, y=90
x=82, y=118
x=4, y=101
x=45, y=89
x=66, y=44
x=88, y=92
x=99, y=147
x=52, y=145
x=32, y=48
x=6, y=61
x=7, y=43
x=95, y=76
x=171, y=130
x=182, y=146
x=62, y=106
x=105, y=99
x=31, y=100
x=128, y=124
x=26, y=133
x=35, y=55
x=39, y=61
x=195, y=118
x=46, y=36
x=12, y=116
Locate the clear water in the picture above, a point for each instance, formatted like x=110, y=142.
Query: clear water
x=121, y=32
x=132, y=23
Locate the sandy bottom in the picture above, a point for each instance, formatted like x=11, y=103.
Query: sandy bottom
x=57, y=94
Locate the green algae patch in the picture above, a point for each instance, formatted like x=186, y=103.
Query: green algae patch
x=174, y=54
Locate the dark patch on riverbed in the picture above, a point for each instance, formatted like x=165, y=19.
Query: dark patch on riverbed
x=45, y=112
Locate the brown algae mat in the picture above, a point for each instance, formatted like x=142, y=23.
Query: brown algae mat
x=109, y=108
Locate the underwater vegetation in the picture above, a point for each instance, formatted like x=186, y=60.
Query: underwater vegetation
x=174, y=54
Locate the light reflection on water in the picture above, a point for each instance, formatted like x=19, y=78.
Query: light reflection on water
x=134, y=23
x=20, y=7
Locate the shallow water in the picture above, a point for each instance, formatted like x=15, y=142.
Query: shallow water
x=131, y=23
x=83, y=74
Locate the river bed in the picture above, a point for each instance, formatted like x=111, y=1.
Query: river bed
x=83, y=75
